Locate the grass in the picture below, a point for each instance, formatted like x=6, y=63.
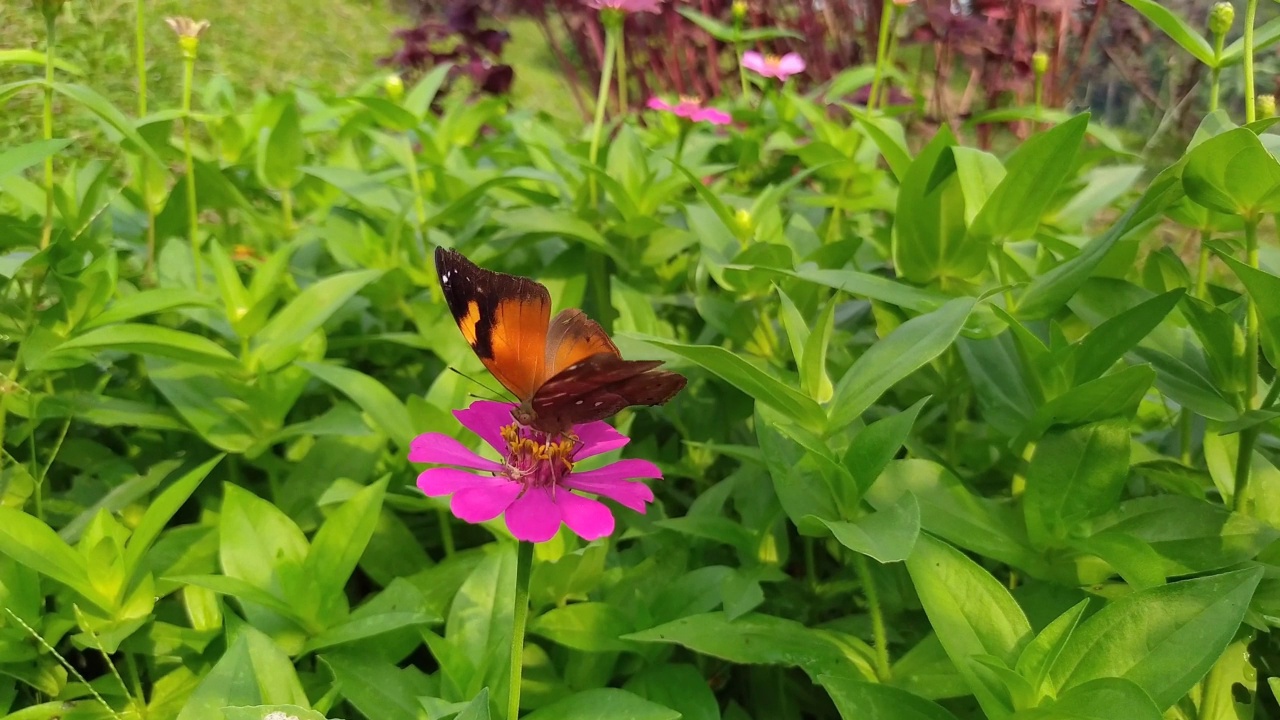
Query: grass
x=332, y=44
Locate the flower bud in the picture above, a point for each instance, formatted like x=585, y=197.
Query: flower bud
x=188, y=32
x=739, y=10
x=1266, y=106
x=744, y=223
x=394, y=87
x=1040, y=62
x=1221, y=17
x=48, y=8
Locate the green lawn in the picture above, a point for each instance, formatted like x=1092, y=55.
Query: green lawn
x=257, y=45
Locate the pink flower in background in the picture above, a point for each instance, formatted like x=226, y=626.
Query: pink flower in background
x=691, y=109
x=627, y=6
x=772, y=66
x=535, y=484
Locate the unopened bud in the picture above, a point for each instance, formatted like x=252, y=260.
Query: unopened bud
x=739, y=10
x=1266, y=106
x=744, y=223
x=48, y=8
x=1040, y=62
x=394, y=86
x=1221, y=17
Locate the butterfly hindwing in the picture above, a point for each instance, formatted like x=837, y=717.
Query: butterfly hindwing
x=574, y=337
x=504, y=318
x=600, y=386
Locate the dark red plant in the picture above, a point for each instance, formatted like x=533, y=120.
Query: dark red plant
x=461, y=32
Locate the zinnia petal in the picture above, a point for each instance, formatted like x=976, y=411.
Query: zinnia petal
x=754, y=62
x=713, y=116
x=482, y=504
x=486, y=418
x=597, y=438
x=534, y=516
x=441, y=449
x=790, y=64
x=447, y=481
x=657, y=103
x=591, y=519
x=615, y=482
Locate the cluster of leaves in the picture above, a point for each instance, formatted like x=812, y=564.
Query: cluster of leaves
x=947, y=451
x=456, y=36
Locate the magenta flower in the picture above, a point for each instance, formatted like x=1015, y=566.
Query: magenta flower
x=691, y=109
x=772, y=66
x=535, y=484
x=627, y=6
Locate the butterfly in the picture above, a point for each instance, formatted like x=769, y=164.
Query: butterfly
x=564, y=370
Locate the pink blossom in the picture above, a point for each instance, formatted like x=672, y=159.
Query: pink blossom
x=534, y=485
x=691, y=109
x=772, y=66
x=627, y=6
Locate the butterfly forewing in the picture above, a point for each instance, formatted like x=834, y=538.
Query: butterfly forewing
x=572, y=338
x=504, y=318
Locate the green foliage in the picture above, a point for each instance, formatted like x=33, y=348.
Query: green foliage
x=960, y=439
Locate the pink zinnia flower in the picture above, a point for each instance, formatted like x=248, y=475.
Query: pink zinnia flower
x=691, y=109
x=772, y=66
x=535, y=483
x=627, y=6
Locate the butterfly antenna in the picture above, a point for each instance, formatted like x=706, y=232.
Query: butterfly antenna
x=496, y=395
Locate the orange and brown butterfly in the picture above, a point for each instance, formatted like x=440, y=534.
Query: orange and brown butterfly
x=564, y=370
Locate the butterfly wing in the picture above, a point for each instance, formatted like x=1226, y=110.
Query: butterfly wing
x=504, y=318
x=574, y=337
x=598, y=387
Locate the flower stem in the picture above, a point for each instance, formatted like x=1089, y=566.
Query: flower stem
x=882, y=53
x=879, y=636
x=524, y=567
x=46, y=232
x=1215, y=73
x=1247, y=437
x=1202, y=267
x=742, y=74
x=140, y=53
x=602, y=100
x=623, y=106
x=193, y=215
x=1250, y=92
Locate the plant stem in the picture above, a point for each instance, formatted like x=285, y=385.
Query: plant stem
x=193, y=216
x=623, y=105
x=446, y=533
x=1215, y=72
x=602, y=100
x=1244, y=457
x=742, y=73
x=878, y=635
x=46, y=232
x=286, y=209
x=1202, y=267
x=1250, y=92
x=882, y=52
x=140, y=53
x=524, y=567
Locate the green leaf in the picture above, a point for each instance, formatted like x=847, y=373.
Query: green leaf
x=1233, y=173
x=929, y=239
x=546, y=221
x=241, y=590
x=341, y=540
x=1107, y=343
x=905, y=350
x=100, y=106
x=1176, y=28
x=162, y=509
x=887, y=535
x=806, y=478
x=609, y=703
x=1164, y=639
x=1041, y=653
x=748, y=378
x=873, y=287
x=1264, y=36
x=280, y=339
x=1050, y=291
x=477, y=709
x=1033, y=176
x=34, y=57
x=253, y=670
x=280, y=150
x=368, y=627
x=34, y=544
x=147, y=302
x=878, y=443
x=756, y=639
x=971, y=611
x=858, y=700
x=813, y=363
x=379, y=689
x=1111, y=396
x=678, y=686
x=1264, y=288
x=585, y=626
x=1075, y=475
x=889, y=138
x=1101, y=699
x=15, y=160
x=152, y=340
x=388, y=413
